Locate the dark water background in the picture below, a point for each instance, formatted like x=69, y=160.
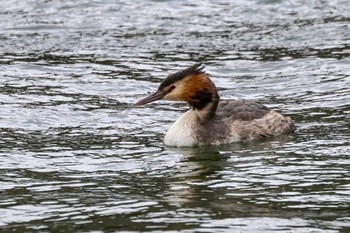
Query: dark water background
x=75, y=156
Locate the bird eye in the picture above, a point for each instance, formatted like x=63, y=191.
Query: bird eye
x=171, y=88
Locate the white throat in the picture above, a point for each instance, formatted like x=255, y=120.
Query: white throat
x=181, y=132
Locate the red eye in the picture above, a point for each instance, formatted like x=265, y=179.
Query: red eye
x=171, y=88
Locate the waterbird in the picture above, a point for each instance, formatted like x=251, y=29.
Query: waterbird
x=211, y=121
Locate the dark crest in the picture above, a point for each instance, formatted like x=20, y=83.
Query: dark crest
x=172, y=78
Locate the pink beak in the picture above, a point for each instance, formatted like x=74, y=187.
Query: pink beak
x=155, y=96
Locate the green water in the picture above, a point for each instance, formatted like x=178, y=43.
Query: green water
x=76, y=156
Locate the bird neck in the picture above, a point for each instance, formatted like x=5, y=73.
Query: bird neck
x=206, y=106
x=208, y=111
x=201, y=94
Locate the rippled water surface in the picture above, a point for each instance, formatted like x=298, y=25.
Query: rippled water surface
x=76, y=156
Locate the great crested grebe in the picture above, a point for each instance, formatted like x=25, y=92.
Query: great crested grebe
x=210, y=121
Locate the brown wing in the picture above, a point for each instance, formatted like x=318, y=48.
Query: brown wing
x=241, y=110
x=248, y=120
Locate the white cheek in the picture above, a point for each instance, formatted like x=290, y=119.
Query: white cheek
x=174, y=95
x=169, y=96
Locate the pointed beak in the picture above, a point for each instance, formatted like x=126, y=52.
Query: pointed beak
x=156, y=96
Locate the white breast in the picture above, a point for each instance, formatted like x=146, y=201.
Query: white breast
x=181, y=132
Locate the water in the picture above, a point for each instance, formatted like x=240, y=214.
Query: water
x=76, y=156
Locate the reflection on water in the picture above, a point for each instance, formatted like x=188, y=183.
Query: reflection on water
x=75, y=155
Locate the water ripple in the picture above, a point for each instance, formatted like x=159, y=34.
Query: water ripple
x=76, y=155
